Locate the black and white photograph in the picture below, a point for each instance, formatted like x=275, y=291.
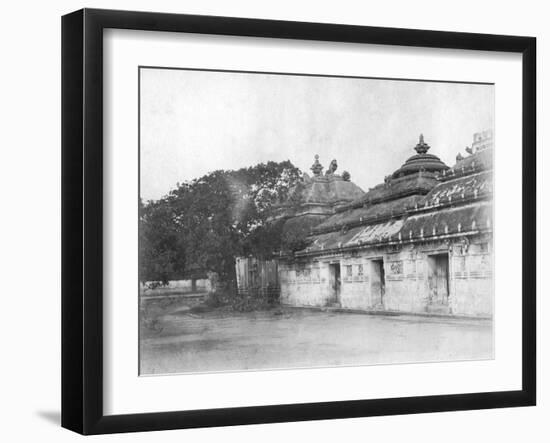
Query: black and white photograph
x=275, y=222
x=295, y=221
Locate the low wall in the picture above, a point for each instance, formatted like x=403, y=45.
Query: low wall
x=176, y=287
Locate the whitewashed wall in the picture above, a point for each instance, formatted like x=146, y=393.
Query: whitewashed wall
x=176, y=286
x=406, y=280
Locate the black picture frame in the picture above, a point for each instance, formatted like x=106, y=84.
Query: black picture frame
x=82, y=220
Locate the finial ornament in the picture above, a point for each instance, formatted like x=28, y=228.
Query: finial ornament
x=332, y=167
x=421, y=147
x=316, y=168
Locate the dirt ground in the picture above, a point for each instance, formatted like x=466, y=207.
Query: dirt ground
x=178, y=337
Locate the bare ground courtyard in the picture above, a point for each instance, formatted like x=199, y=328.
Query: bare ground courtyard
x=178, y=338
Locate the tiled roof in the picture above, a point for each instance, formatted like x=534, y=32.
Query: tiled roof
x=471, y=218
x=477, y=162
x=377, y=233
x=452, y=220
x=419, y=183
x=368, y=214
x=423, y=202
x=460, y=188
x=482, y=160
x=361, y=235
x=330, y=240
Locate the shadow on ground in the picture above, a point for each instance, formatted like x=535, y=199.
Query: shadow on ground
x=53, y=417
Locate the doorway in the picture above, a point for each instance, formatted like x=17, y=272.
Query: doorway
x=438, y=279
x=335, y=282
x=378, y=282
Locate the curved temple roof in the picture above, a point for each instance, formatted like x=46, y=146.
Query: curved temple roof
x=422, y=161
x=451, y=221
x=329, y=189
x=419, y=206
x=424, y=199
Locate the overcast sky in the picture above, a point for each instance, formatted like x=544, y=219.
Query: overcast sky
x=194, y=122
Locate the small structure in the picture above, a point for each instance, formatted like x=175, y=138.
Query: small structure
x=257, y=278
x=482, y=140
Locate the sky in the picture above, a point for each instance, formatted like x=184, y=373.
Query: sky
x=194, y=122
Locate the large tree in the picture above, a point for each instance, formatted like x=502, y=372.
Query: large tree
x=203, y=224
x=161, y=248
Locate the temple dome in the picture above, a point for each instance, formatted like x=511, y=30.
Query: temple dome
x=330, y=188
x=322, y=193
x=422, y=161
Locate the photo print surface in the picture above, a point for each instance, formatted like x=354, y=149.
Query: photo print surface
x=298, y=221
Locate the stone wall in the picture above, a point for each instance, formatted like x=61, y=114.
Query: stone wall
x=409, y=279
x=306, y=285
x=176, y=286
x=472, y=282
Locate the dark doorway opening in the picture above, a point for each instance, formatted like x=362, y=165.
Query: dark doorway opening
x=335, y=282
x=438, y=280
x=378, y=282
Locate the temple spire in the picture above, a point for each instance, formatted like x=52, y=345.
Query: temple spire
x=316, y=168
x=421, y=147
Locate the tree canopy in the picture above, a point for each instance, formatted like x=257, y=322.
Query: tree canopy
x=203, y=224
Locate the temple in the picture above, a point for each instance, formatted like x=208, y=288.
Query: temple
x=419, y=242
